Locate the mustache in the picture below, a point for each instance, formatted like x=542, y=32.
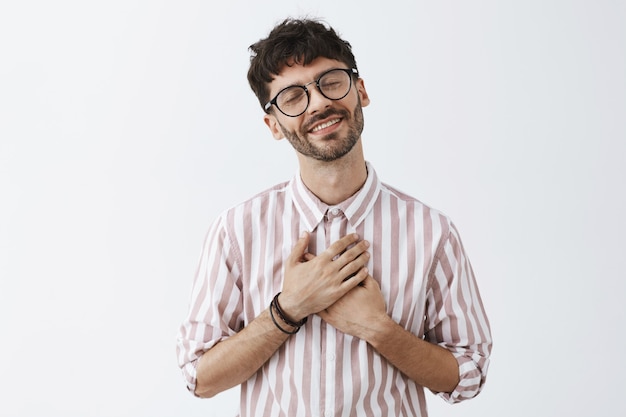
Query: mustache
x=330, y=112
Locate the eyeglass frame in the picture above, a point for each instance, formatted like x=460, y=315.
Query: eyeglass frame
x=349, y=71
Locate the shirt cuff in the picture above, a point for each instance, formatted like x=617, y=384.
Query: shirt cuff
x=189, y=373
x=471, y=380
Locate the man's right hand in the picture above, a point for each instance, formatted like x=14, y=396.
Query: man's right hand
x=312, y=283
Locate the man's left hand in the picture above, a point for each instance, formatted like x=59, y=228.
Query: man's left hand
x=355, y=312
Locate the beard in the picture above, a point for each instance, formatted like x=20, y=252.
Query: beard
x=332, y=147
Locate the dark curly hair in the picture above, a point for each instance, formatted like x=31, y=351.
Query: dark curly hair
x=294, y=41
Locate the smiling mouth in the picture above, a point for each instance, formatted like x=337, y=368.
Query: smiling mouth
x=325, y=125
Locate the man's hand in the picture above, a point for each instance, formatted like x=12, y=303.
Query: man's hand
x=312, y=283
x=355, y=312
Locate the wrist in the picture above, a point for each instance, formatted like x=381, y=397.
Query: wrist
x=290, y=308
x=378, y=330
x=280, y=318
x=280, y=323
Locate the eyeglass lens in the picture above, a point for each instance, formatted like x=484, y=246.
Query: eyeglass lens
x=334, y=85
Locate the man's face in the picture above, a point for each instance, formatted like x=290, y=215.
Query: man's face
x=328, y=129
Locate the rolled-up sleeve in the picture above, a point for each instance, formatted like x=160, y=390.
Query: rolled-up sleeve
x=215, y=310
x=456, y=318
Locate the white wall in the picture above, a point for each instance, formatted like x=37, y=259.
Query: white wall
x=126, y=126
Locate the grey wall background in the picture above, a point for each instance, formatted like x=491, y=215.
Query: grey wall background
x=127, y=126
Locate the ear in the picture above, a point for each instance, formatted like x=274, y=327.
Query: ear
x=274, y=126
x=360, y=87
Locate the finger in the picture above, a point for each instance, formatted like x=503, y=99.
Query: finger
x=369, y=281
x=340, y=246
x=299, y=249
x=308, y=257
x=356, y=250
x=357, y=278
x=353, y=254
x=355, y=265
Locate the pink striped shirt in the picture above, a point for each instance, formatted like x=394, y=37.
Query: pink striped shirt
x=424, y=275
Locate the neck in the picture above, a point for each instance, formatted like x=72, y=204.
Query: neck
x=336, y=181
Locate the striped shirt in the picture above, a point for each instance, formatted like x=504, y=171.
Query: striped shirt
x=416, y=257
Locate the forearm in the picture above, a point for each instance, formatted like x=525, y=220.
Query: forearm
x=427, y=364
x=236, y=359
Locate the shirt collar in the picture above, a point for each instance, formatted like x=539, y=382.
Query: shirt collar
x=355, y=208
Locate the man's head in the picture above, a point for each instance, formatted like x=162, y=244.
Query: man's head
x=294, y=41
x=305, y=78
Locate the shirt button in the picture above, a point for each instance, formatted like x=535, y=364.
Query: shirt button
x=331, y=357
x=335, y=211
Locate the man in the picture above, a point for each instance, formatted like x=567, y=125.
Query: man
x=331, y=294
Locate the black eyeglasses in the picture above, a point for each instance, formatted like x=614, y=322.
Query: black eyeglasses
x=334, y=84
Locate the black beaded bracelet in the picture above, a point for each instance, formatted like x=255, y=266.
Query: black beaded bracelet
x=278, y=325
x=283, y=316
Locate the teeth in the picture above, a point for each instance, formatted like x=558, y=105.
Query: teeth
x=325, y=125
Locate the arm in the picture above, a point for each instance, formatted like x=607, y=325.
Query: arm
x=361, y=313
x=310, y=284
x=427, y=364
x=238, y=357
x=456, y=318
x=454, y=357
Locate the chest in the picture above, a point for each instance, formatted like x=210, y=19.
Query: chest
x=398, y=261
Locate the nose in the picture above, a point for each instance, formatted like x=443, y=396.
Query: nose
x=317, y=101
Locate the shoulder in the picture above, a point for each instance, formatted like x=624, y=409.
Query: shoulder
x=231, y=223
x=272, y=192
x=437, y=225
x=400, y=197
x=256, y=204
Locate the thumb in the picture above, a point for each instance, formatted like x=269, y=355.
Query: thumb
x=299, y=249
